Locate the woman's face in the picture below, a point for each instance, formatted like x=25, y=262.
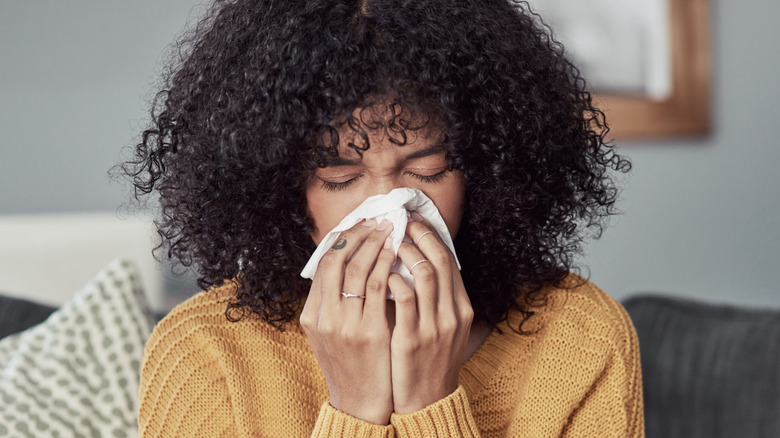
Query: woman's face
x=336, y=190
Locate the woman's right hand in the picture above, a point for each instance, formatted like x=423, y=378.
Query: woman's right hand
x=350, y=337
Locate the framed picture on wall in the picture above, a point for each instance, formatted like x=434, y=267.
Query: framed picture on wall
x=647, y=61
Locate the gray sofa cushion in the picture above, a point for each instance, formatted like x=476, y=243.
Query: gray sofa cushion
x=708, y=370
x=18, y=314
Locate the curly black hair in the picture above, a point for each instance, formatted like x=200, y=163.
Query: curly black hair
x=258, y=88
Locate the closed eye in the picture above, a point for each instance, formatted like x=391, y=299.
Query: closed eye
x=430, y=178
x=333, y=186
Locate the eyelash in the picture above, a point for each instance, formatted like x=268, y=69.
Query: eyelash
x=336, y=186
x=430, y=178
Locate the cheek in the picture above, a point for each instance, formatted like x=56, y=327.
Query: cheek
x=326, y=210
x=319, y=213
x=450, y=201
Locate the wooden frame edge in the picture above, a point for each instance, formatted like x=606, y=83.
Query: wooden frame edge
x=687, y=112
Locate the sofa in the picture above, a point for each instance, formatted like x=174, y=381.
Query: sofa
x=709, y=370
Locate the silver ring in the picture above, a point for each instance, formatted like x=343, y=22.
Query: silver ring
x=419, y=238
x=421, y=261
x=349, y=295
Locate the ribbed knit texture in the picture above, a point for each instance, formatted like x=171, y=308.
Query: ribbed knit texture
x=577, y=375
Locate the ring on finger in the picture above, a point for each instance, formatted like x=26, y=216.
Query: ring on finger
x=349, y=295
x=417, y=263
x=419, y=238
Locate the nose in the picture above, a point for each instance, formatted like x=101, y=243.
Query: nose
x=383, y=185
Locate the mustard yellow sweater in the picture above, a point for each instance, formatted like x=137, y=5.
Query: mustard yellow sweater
x=578, y=375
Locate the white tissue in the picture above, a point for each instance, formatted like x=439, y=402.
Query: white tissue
x=395, y=207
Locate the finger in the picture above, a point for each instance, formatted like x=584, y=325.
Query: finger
x=421, y=230
x=425, y=281
x=461, y=296
x=362, y=262
x=310, y=315
x=333, y=262
x=433, y=249
x=453, y=298
x=427, y=239
x=406, y=316
x=377, y=283
x=311, y=307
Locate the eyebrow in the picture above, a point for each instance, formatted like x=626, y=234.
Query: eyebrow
x=434, y=149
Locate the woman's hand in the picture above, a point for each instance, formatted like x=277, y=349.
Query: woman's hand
x=432, y=322
x=350, y=335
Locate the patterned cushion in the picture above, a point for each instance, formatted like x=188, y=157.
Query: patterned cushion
x=77, y=373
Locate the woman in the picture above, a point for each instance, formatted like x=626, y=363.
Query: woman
x=277, y=120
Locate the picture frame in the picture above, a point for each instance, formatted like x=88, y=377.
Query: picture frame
x=686, y=111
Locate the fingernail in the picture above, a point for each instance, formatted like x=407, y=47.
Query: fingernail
x=385, y=224
x=368, y=223
x=416, y=217
x=388, y=242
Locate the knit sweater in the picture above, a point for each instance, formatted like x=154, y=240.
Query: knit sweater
x=576, y=375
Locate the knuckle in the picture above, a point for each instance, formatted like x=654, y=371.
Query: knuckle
x=448, y=324
x=351, y=278
x=326, y=327
x=387, y=255
x=359, y=232
x=327, y=260
x=354, y=270
x=467, y=314
x=375, y=286
x=349, y=232
x=424, y=272
x=404, y=296
x=406, y=246
x=352, y=338
x=409, y=345
x=431, y=335
x=376, y=236
x=441, y=256
x=307, y=321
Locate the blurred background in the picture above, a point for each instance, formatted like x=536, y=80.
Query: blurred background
x=700, y=214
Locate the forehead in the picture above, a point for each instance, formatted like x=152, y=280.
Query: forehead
x=379, y=145
x=380, y=126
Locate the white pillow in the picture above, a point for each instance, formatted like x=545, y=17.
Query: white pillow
x=77, y=373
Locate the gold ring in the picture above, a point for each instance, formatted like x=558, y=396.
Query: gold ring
x=421, y=236
x=421, y=261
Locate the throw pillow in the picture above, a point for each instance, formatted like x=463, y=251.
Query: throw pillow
x=77, y=373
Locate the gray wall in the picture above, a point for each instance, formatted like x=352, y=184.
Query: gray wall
x=74, y=82
x=700, y=219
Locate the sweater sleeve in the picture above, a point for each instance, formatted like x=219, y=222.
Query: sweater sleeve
x=448, y=417
x=183, y=390
x=333, y=423
x=613, y=407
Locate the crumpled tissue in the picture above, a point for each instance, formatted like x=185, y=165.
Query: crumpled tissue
x=395, y=207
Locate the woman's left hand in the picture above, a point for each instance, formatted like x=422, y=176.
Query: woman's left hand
x=432, y=322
